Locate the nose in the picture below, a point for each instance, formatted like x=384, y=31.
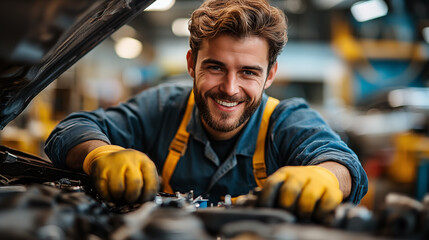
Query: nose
x=230, y=84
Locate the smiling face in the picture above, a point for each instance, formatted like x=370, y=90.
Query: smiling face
x=230, y=75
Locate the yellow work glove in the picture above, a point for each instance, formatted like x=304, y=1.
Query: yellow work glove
x=122, y=175
x=308, y=191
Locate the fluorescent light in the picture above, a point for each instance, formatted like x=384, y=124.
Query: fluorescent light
x=413, y=97
x=327, y=4
x=366, y=10
x=180, y=27
x=161, y=5
x=128, y=48
x=425, y=33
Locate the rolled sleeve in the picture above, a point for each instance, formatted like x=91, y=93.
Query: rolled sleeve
x=72, y=131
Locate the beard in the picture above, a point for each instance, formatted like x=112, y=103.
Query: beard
x=222, y=125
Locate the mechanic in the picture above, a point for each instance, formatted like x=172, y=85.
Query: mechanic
x=220, y=134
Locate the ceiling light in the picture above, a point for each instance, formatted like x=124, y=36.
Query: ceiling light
x=295, y=6
x=366, y=10
x=425, y=33
x=180, y=27
x=128, y=48
x=327, y=4
x=161, y=5
x=413, y=97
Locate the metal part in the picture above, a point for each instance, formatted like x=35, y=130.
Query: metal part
x=21, y=168
x=9, y=158
x=133, y=221
x=39, y=46
x=12, y=188
x=181, y=200
x=351, y=218
x=67, y=185
x=400, y=216
x=216, y=218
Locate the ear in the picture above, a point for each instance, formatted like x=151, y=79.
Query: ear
x=190, y=63
x=271, y=75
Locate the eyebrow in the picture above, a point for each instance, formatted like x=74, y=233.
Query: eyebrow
x=213, y=61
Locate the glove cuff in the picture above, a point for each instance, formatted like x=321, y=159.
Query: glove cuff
x=95, y=153
x=327, y=171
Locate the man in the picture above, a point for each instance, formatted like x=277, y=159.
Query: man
x=230, y=140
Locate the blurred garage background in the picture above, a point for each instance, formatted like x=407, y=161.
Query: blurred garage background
x=362, y=64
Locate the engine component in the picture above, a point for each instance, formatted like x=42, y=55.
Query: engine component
x=400, y=216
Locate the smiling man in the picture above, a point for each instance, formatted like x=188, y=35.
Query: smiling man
x=220, y=135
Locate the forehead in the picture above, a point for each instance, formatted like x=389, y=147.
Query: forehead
x=228, y=49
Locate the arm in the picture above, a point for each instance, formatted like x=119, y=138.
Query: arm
x=137, y=124
x=342, y=174
x=77, y=154
x=317, y=169
x=102, y=142
x=303, y=138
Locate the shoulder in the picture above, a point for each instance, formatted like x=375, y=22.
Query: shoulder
x=293, y=103
x=169, y=89
x=292, y=106
x=296, y=112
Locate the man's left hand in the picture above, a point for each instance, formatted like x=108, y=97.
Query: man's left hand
x=308, y=191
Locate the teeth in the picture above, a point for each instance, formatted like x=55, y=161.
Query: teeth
x=227, y=104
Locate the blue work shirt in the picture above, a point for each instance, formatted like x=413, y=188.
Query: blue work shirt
x=297, y=135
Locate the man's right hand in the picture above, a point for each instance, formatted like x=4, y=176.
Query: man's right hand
x=122, y=175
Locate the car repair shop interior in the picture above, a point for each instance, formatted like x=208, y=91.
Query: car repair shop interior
x=363, y=64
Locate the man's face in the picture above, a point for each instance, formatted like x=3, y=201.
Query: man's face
x=230, y=75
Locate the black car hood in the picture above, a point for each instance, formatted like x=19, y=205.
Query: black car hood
x=43, y=38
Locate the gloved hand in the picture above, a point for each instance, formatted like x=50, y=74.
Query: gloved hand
x=308, y=191
x=122, y=175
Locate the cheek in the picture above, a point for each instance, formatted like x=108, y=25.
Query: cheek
x=205, y=81
x=253, y=90
x=200, y=79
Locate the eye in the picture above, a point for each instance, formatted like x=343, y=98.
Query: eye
x=214, y=67
x=248, y=72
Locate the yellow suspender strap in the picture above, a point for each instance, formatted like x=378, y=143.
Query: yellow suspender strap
x=177, y=146
x=259, y=169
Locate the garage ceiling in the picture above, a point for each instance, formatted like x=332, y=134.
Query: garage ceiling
x=309, y=20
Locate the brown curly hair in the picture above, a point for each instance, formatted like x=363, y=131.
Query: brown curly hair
x=239, y=18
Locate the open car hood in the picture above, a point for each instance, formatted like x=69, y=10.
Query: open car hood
x=43, y=38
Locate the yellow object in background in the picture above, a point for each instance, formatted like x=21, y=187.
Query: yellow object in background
x=410, y=149
x=38, y=124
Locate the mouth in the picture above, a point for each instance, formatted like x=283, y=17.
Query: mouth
x=226, y=104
